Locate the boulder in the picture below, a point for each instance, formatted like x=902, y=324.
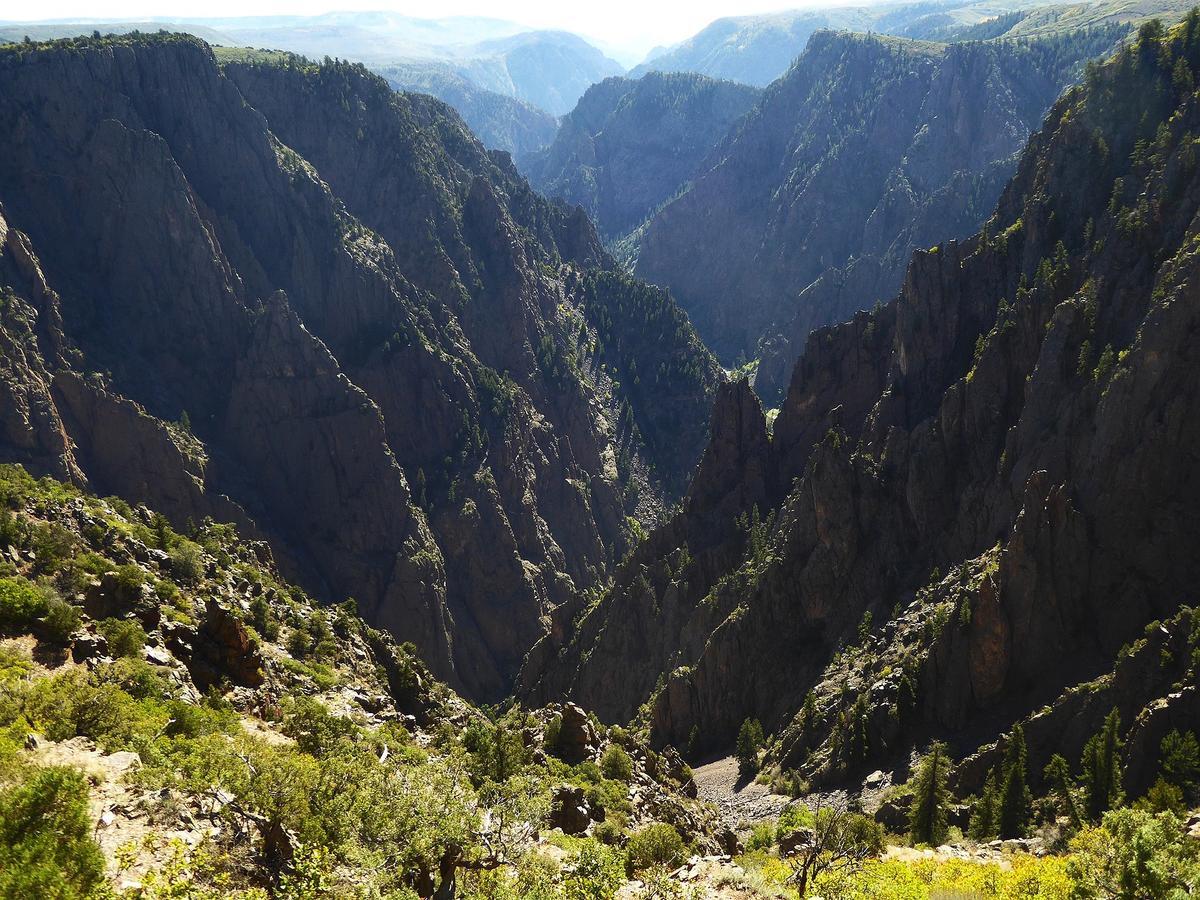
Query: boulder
x=569, y=809
x=892, y=814
x=577, y=739
x=224, y=650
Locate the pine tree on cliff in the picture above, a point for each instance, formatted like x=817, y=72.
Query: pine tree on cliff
x=1015, y=799
x=984, y=824
x=1058, y=776
x=927, y=819
x=1102, y=768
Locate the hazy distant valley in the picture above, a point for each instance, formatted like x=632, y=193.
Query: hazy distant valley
x=438, y=460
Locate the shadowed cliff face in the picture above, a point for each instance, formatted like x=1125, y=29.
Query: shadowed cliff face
x=867, y=149
x=985, y=488
x=293, y=299
x=629, y=146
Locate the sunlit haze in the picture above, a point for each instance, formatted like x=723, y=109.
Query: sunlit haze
x=629, y=25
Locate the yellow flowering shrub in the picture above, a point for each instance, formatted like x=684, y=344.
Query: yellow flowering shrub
x=1019, y=877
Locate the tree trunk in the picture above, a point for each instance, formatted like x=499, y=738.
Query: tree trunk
x=448, y=871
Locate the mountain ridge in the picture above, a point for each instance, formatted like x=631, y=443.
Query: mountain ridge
x=472, y=430
x=970, y=492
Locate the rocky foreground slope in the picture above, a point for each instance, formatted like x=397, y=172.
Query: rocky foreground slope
x=287, y=297
x=867, y=149
x=977, y=498
x=177, y=720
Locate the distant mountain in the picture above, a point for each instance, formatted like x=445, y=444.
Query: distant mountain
x=13, y=32
x=344, y=35
x=366, y=36
x=869, y=148
x=550, y=69
x=752, y=49
x=499, y=121
x=758, y=49
x=630, y=145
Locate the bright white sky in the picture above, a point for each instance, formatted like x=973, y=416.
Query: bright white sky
x=619, y=22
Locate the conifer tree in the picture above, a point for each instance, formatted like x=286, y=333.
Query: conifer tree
x=1015, y=799
x=928, y=821
x=984, y=824
x=1179, y=759
x=1058, y=775
x=749, y=741
x=1102, y=768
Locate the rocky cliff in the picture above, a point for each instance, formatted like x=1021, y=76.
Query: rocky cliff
x=987, y=485
x=631, y=145
x=499, y=121
x=286, y=296
x=867, y=149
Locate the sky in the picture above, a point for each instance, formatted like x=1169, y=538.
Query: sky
x=624, y=23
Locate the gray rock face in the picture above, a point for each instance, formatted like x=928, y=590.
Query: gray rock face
x=499, y=121
x=629, y=146
x=653, y=609
x=1020, y=418
x=867, y=149
x=339, y=323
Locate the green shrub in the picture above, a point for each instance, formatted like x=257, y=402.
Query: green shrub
x=60, y=621
x=262, y=618
x=761, y=838
x=46, y=849
x=27, y=607
x=611, y=831
x=134, y=676
x=1134, y=853
x=129, y=579
x=52, y=546
x=192, y=720
x=315, y=729
x=312, y=639
x=550, y=737
x=587, y=771
x=795, y=816
x=187, y=562
x=613, y=796
x=22, y=605
x=596, y=873
x=1163, y=797
x=655, y=845
x=616, y=764
x=125, y=637
x=95, y=705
